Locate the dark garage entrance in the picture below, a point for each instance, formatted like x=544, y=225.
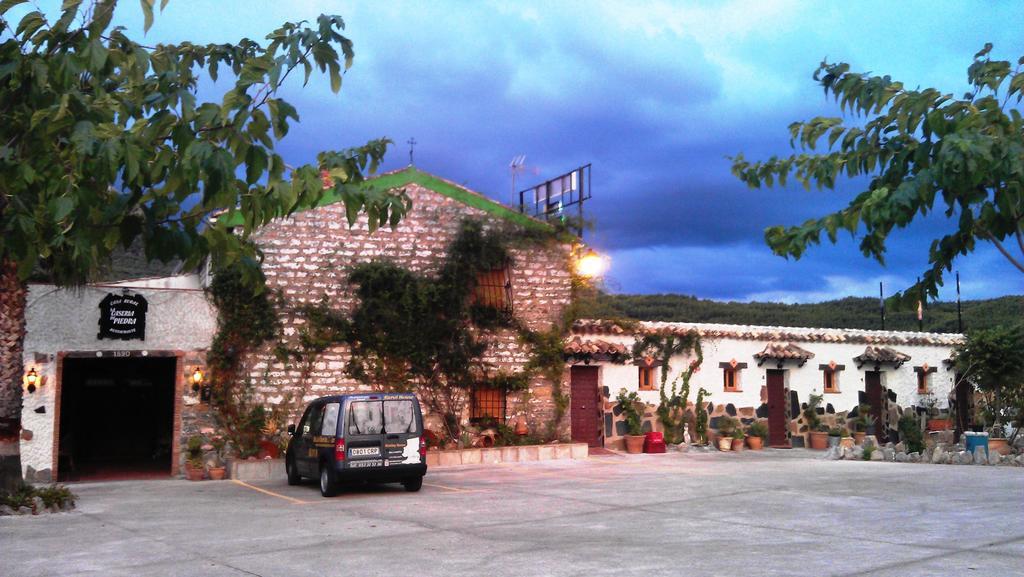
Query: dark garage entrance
x=116, y=418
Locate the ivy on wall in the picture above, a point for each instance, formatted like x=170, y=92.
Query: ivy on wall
x=672, y=409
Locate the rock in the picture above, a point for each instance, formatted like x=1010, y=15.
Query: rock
x=24, y=510
x=900, y=447
x=6, y=510
x=980, y=456
x=994, y=458
x=888, y=454
x=938, y=456
x=965, y=458
x=38, y=506
x=926, y=456
x=900, y=457
x=834, y=453
x=876, y=455
x=914, y=457
x=856, y=453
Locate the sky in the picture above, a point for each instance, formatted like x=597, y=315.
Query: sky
x=655, y=95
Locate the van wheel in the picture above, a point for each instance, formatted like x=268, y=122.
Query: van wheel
x=328, y=484
x=289, y=468
x=412, y=485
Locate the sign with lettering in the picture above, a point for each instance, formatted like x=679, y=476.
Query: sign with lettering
x=123, y=316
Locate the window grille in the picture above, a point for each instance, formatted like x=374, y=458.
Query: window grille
x=494, y=289
x=488, y=402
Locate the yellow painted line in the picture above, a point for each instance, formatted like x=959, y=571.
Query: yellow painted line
x=292, y=500
x=452, y=489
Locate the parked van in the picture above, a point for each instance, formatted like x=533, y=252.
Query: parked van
x=371, y=437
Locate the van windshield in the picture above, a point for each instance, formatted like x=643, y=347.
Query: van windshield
x=373, y=417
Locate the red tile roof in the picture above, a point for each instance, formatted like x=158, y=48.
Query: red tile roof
x=784, y=351
x=578, y=347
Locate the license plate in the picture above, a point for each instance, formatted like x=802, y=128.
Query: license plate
x=364, y=464
x=364, y=451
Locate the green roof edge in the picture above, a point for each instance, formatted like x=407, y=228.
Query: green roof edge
x=411, y=175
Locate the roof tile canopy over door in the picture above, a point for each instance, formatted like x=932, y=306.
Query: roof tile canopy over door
x=585, y=408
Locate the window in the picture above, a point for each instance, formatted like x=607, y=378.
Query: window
x=922, y=382
x=831, y=381
x=399, y=417
x=646, y=378
x=316, y=419
x=365, y=418
x=731, y=378
x=494, y=289
x=488, y=402
x=330, y=425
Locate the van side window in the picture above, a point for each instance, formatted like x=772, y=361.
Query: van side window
x=399, y=417
x=364, y=418
x=330, y=426
x=304, y=423
x=316, y=418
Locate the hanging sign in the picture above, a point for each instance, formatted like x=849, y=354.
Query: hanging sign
x=123, y=316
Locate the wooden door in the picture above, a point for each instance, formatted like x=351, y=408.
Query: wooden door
x=873, y=389
x=585, y=406
x=777, y=409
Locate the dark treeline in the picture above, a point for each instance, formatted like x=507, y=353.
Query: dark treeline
x=850, y=313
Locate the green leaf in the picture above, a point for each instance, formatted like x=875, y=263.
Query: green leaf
x=61, y=208
x=147, y=11
x=6, y=5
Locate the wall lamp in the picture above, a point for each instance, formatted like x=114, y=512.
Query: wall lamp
x=31, y=379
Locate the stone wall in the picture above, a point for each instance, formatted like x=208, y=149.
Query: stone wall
x=308, y=255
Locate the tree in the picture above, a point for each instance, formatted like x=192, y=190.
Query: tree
x=916, y=149
x=992, y=361
x=104, y=144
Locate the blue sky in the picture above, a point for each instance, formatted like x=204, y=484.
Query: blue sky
x=654, y=94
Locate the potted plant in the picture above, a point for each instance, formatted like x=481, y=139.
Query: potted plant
x=217, y=470
x=194, y=459
x=936, y=420
x=726, y=427
x=757, y=435
x=634, y=429
x=738, y=437
x=834, y=434
x=816, y=432
x=997, y=440
x=864, y=422
x=845, y=440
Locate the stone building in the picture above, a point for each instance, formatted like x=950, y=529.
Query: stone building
x=763, y=373
x=125, y=403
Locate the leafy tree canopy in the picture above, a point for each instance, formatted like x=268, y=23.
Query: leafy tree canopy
x=920, y=150
x=104, y=141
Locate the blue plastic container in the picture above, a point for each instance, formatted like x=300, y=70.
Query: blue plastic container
x=974, y=440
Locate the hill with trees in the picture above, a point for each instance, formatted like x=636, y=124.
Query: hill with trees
x=849, y=313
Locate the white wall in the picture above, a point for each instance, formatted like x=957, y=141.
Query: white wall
x=67, y=320
x=805, y=380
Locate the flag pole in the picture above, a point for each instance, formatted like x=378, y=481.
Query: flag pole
x=959, y=313
x=920, y=306
x=881, y=304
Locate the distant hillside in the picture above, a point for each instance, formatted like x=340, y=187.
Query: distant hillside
x=853, y=313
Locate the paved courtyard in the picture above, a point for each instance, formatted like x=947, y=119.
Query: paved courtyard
x=769, y=513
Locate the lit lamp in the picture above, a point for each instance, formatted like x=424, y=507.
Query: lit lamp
x=31, y=378
x=198, y=386
x=591, y=264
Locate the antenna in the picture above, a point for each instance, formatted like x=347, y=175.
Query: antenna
x=517, y=165
x=412, y=144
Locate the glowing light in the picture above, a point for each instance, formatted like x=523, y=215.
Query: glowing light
x=591, y=264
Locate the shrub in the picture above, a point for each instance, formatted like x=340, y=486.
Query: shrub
x=811, y=412
x=758, y=429
x=628, y=403
x=910, y=433
x=25, y=495
x=868, y=449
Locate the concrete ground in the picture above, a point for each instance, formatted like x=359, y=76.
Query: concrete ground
x=768, y=513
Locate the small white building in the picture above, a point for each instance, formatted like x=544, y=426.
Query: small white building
x=759, y=373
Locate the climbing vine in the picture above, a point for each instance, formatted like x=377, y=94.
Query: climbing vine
x=673, y=402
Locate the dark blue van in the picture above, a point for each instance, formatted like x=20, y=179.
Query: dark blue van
x=368, y=437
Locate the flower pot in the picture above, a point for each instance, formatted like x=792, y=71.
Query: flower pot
x=755, y=443
x=858, y=437
x=738, y=445
x=833, y=441
x=725, y=444
x=217, y=473
x=634, y=444
x=818, y=440
x=939, y=424
x=846, y=442
x=999, y=445
x=194, y=473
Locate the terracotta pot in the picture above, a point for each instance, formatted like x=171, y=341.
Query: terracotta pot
x=846, y=442
x=725, y=444
x=738, y=444
x=521, y=428
x=634, y=444
x=217, y=473
x=858, y=437
x=999, y=445
x=194, y=473
x=940, y=424
x=819, y=440
x=755, y=443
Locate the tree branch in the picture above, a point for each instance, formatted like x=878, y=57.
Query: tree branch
x=1002, y=249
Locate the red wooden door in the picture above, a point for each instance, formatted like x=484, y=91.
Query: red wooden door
x=585, y=407
x=873, y=388
x=776, y=409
